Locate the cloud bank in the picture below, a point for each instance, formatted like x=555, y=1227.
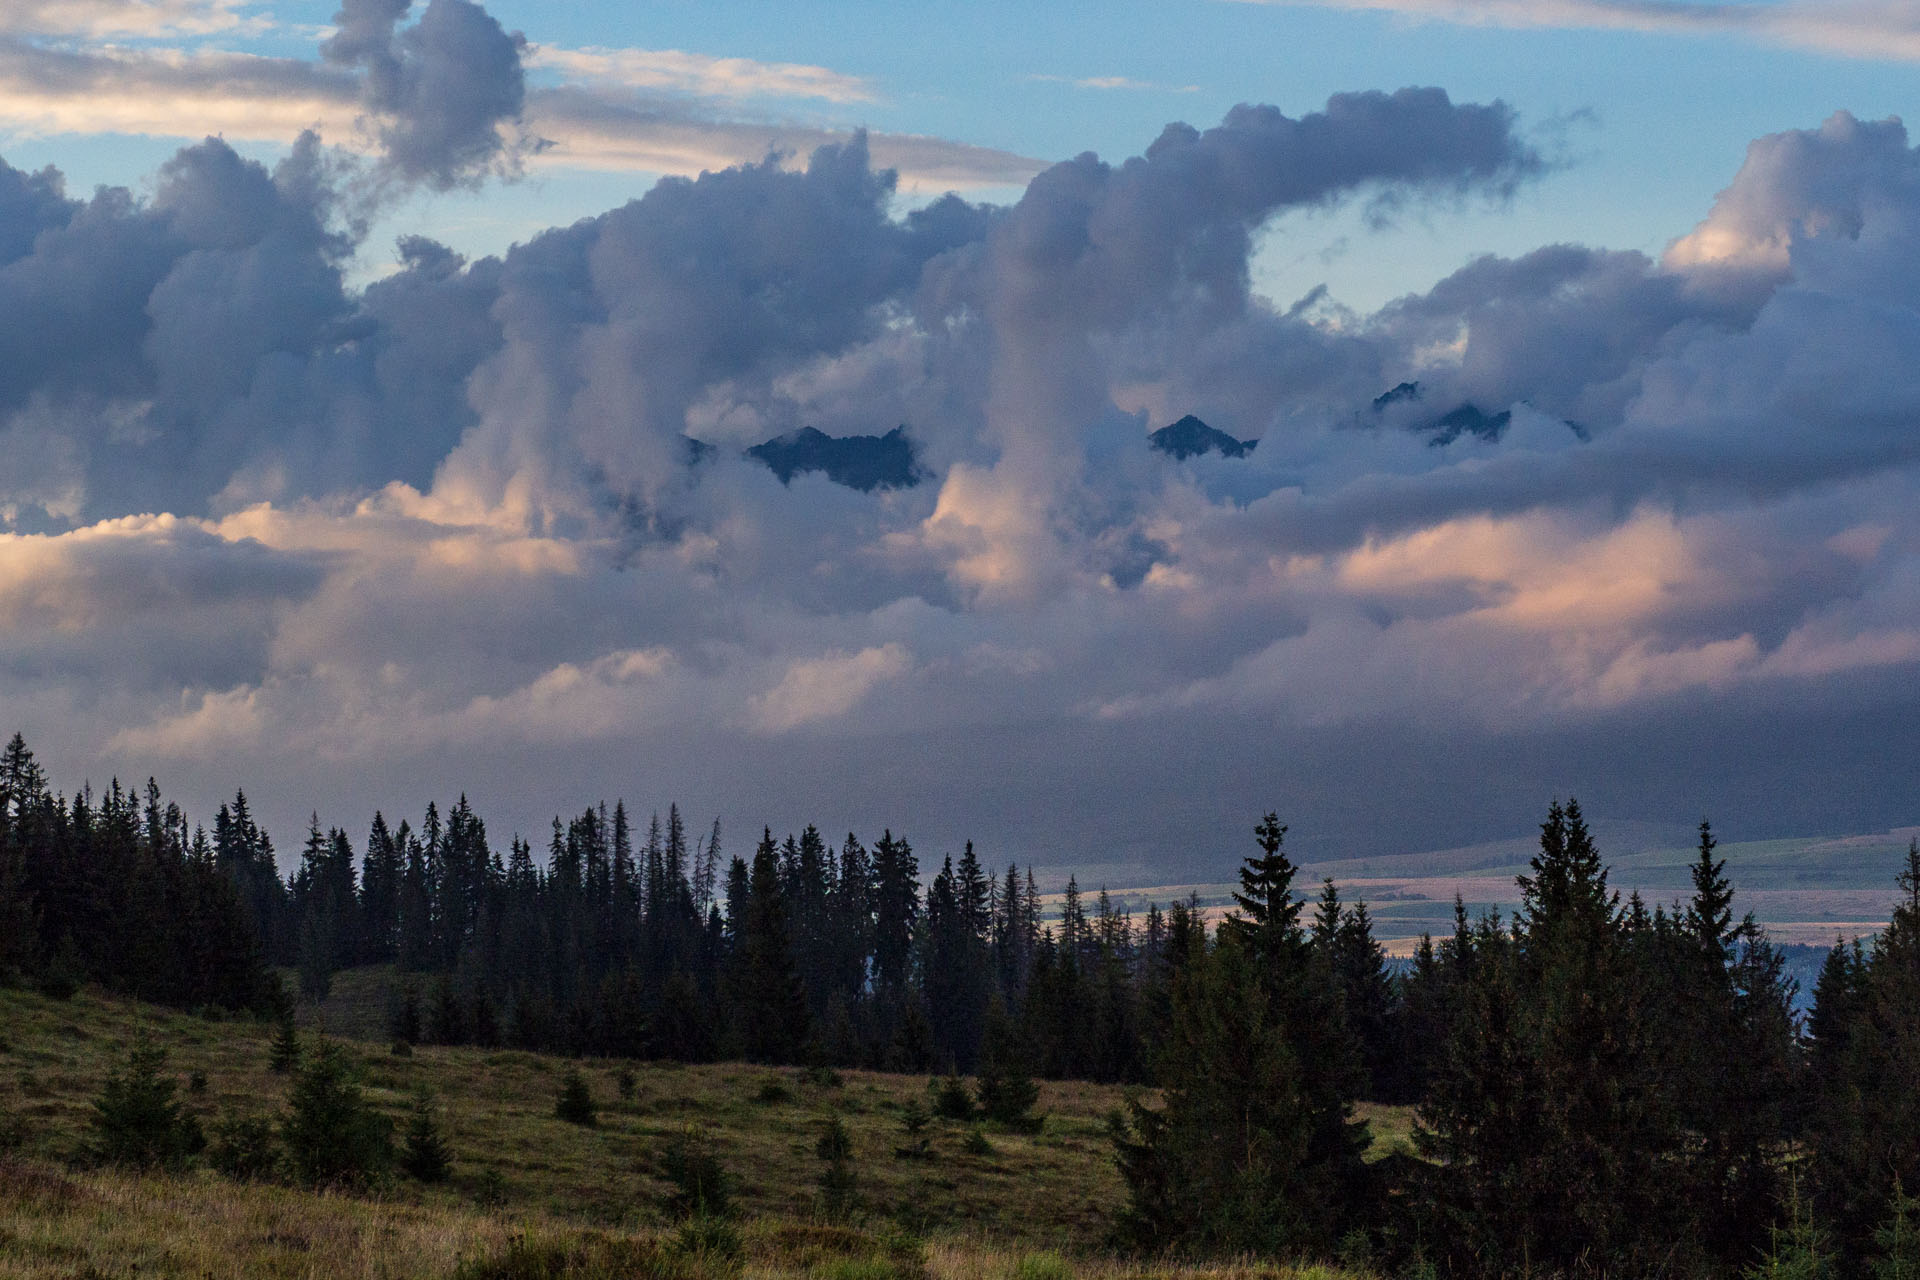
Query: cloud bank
x=351, y=547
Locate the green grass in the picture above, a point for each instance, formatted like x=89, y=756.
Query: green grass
x=531, y=1193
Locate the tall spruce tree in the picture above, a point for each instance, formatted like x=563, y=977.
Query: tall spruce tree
x=1255, y=1147
x=769, y=1002
x=1866, y=1133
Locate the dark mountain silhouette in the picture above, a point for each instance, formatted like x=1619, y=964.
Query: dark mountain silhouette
x=865, y=463
x=1191, y=437
x=1466, y=419
x=1405, y=391
x=1469, y=420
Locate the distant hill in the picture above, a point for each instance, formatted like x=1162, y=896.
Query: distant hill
x=1190, y=437
x=1806, y=890
x=865, y=463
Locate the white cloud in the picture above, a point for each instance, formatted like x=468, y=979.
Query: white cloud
x=149, y=19
x=699, y=73
x=1871, y=29
x=826, y=687
x=194, y=93
x=1116, y=82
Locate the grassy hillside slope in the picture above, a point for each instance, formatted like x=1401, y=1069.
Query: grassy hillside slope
x=532, y=1195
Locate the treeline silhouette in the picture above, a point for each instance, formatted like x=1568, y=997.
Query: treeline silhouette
x=1599, y=1087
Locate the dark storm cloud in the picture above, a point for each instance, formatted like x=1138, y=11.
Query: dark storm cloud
x=462, y=511
x=205, y=339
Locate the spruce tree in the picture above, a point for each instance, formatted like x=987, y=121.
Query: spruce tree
x=837, y=1179
x=767, y=992
x=1548, y=1104
x=137, y=1120
x=1896, y=1242
x=1255, y=1147
x=331, y=1135
x=1866, y=1131
x=1005, y=1084
x=283, y=1055
x=575, y=1103
x=424, y=1157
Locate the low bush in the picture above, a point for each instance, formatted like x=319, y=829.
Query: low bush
x=951, y=1098
x=136, y=1120
x=575, y=1103
x=245, y=1148
x=425, y=1156
x=332, y=1137
x=702, y=1186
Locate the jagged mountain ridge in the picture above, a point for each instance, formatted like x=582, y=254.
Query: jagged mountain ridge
x=1465, y=419
x=1190, y=437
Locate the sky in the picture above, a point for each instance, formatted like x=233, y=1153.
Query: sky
x=348, y=357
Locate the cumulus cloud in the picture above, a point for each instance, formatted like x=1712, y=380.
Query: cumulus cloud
x=260, y=521
x=442, y=91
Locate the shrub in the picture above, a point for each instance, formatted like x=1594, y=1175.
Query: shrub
x=837, y=1180
x=835, y=1142
x=1800, y=1249
x=1898, y=1240
x=707, y=1237
x=245, y=1148
x=137, y=1120
x=332, y=1137
x=197, y=1082
x=575, y=1103
x=626, y=1083
x=13, y=1132
x=61, y=979
x=284, y=1055
x=913, y=1123
x=951, y=1101
x=702, y=1186
x=1006, y=1087
x=403, y=1016
x=976, y=1143
x=425, y=1157
x=401, y=1049
x=773, y=1091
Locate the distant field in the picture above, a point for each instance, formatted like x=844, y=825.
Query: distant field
x=522, y=1174
x=1806, y=891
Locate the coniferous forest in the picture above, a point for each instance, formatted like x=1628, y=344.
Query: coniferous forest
x=1600, y=1086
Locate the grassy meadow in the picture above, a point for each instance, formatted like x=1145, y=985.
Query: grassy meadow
x=532, y=1195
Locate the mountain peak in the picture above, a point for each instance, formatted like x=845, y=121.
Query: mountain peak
x=865, y=463
x=1191, y=437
